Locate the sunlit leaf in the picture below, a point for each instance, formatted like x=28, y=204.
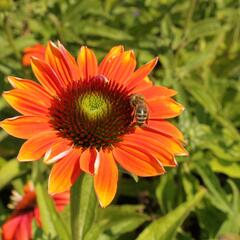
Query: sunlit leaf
x=165, y=228
x=10, y=170
x=83, y=206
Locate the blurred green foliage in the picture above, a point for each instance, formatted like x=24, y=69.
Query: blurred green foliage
x=198, y=43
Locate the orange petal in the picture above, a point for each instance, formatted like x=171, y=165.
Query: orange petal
x=142, y=72
x=26, y=102
x=57, y=151
x=143, y=85
x=121, y=67
x=75, y=73
x=47, y=77
x=24, y=231
x=161, y=108
x=147, y=80
x=87, y=160
x=30, y=85
x=28, y=187
x=62, y=63
x=169, y=144
x=156, y=92
x=106, y=62
x=87, y=63
x=64, y=173
x=38, y=51
x=165, y=157
x=25, y=126
x=35, y=147
x=106, y=178
x=61, y=200
x=165, y=128
x=18, y=227
x=136, y=161
x=10, y=227
x=37, y=217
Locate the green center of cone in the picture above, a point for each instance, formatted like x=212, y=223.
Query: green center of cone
x=94, y=106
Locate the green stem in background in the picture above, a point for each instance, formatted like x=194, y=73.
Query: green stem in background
x=51, y=221
x=227, y=124
x=83, y=206
x=8, y=32
x=189, y=17
x=57, y=24
x=166, y=227
x=47, y=224
x=10, y=170
x=182, y=94
x=187, y=26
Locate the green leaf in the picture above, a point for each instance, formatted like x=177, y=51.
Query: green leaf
x=114, y=221
x=202, y=95
x=106, y=32
x=51, y=220
x=203, y=28
x=166, y=193
x=2, y=162
x=235, y=197
x=10, y=170
x=165, y=228
x=6, y=5
x=123, y=219
x=43, y=202
x=83, y=206
x=210, y=104
x=216, y=193
x=232, y=169
x=232, y=222
x=209, y=225
x=20, y=43
x=195, y=61
x=96, y=230
x=235, y=217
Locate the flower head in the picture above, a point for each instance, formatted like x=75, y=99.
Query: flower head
x=37, y=50
x=19, y=225
x=82, y=117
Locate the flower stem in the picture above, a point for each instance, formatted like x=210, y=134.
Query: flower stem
x=52, y=223
x=83, y=206
x=45, y=215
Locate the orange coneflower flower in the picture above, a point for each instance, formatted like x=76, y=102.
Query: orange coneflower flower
x=37, y=50
x=82, y=118
x=19, y=225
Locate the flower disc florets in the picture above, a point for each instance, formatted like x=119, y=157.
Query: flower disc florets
x=92, y=113
x=23, y=204
x=94, y=106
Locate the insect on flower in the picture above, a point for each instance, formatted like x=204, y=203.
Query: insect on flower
x=140, y=108
x=81, y=118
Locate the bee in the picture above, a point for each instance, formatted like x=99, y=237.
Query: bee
x=141, y=111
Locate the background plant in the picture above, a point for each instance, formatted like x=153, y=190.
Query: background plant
x=199, y=50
